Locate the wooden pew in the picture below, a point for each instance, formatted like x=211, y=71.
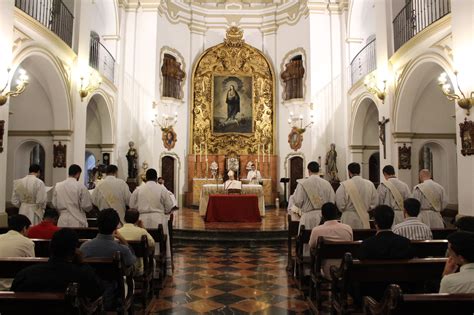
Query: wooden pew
x=325, y=250
x=395, y=302
x=292, y=234
x=354, y=273
x=110, y=269
x=143, y=282
x=53, y=303
x=300, y=260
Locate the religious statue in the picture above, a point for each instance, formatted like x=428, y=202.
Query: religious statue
x=214, y=167
x=132, y=158
x=331, y=164
x=143, y=173
x=59, y=155
x=172, y=77
x=292, y=78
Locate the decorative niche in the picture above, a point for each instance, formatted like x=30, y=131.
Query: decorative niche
x=293, y=75
x=172, y=74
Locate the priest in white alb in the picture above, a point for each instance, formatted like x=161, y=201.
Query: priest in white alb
x=29, y=194
x=254, y=176
x=392, y=192
x=433, y=199
x=154, y=203
x=355, y=197
x=232, y=183
x=310, y=195
x=112, y=192
x=72, y=200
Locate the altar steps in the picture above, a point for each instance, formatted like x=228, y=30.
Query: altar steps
x=183, y=236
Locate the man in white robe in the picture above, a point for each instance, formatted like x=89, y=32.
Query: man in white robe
x=231, y=183
x=161, y=181
x=433, y=199
x=72, y=200
x=29, y=194
x=310, y=195
x=393, y=192
x=153, y=202
x=254, y=176
x=112, y=192
x=355, y=197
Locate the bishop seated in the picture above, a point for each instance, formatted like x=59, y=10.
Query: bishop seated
x=232, y=185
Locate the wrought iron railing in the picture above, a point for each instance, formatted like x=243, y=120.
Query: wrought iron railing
x=101, y=59
x=415, y=16
x=53, y=14
x=364, y=62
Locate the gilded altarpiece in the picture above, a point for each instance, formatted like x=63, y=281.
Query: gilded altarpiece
x=232, y=113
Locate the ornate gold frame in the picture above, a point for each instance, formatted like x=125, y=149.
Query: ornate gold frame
x=233, y=57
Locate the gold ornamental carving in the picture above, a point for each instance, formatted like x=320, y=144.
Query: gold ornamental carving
x=233, y=98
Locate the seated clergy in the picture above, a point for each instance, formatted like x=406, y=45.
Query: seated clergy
x=63, y=267
x=231, y=184
x=461, y=255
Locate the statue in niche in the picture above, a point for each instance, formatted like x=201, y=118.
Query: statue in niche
x=59, y=155
x=331, y=164
x=467, y=137
x=172, y=77
x=132, y=158
x=292, y=78
x=404, y=157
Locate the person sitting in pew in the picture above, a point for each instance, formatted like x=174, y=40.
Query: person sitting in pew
x=105, y=246
x=63, y=267
x=412, y=228
x=14, y=243
x=46, y=228
x=331, y=230
x=133, y=230
x=385, y=244
x=461, y=255
x=465, y=224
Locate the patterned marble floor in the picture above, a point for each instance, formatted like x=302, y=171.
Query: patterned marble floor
x=230, y=280
x=189, y=219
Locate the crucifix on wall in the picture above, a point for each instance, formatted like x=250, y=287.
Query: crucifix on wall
x=382, y=124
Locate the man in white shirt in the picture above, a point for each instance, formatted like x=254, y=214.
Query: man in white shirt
x=310, y=195
x=412, y=228
x=461, y=254
x=161, y=181
x=433, y=200
x=153, y=202
x=72, y=200
x=29, y=194
x=133, y=230
x=14, y=243
x=254, y=176
x=355, y=197
x=112, y=192
x=392, y=192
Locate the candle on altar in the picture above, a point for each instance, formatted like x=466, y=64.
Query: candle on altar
x=200, y=152
x=205, y=145
x=263, y=151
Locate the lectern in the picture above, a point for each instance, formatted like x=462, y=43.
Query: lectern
x=284, y=202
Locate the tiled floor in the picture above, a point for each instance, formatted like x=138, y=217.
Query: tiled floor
x=230, y=280
x=189, y=219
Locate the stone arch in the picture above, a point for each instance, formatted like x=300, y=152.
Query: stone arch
x=363, y=104
x=104, y=110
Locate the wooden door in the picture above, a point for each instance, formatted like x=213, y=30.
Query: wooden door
x=296, y=172
x=167, y=172
x=374, y=169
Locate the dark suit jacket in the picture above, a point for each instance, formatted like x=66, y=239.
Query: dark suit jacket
x=386, y=245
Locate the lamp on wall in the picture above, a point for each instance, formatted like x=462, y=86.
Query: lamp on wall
x=21, y=84
x=296, y=121
x=90, y=85
x=463, y=101
x=371, y=86
x=166, y=121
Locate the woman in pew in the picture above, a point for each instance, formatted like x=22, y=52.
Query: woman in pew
x=461, y=255
x=64, y=266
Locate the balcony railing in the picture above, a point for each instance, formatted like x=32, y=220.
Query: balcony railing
x=364, y=62
x=415, y=16
x=101, y=59
x=53, y=14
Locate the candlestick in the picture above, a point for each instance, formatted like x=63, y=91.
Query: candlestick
x=200, y=152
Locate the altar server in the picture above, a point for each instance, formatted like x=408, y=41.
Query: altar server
x=29, y=194
x=392, y=192
x=72, y=200
x=112, y=192
x=355, y=197
x=433, y=200
x=254, y=176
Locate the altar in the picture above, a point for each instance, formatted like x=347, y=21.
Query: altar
x=247, y=189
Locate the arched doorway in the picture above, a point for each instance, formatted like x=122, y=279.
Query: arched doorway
x=90, y=162
x=374, y=168
x=168, y=172
x=37, y=156
x=296, y=172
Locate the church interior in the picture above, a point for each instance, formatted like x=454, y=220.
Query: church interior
x=229, y=101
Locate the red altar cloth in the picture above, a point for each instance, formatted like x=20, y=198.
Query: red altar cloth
x=233, y=208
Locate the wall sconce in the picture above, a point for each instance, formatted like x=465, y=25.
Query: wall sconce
x=166, y=122
x=294, y=121
x=463, y=101
x=21, y=84
x=371, y=86
x=91, y=85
